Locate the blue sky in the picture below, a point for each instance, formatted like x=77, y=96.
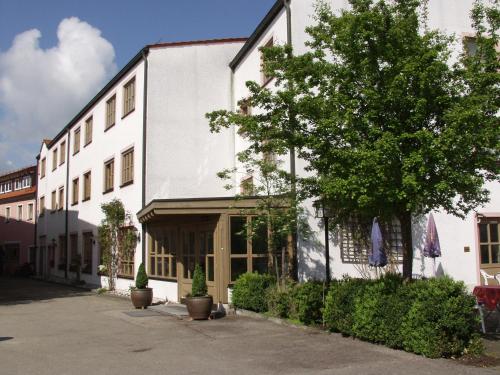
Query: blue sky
x=37, y=98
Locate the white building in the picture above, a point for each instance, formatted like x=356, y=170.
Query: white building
x=155, y=108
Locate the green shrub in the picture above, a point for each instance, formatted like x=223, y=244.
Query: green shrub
x=306, y=302
x=250, y=291
x=278, y=301
x=379, y=311
x=141, y=281
x=441, y=320
x=339, y=304
x=199, y=286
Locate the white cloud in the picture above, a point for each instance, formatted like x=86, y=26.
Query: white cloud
x=42, y=89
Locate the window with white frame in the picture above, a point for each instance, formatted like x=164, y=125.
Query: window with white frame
x=30, y=211
x=7, y=214
x=129, y=97
x=19, y=212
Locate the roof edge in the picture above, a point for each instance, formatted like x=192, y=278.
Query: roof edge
x=197, y=42
x=259, y=30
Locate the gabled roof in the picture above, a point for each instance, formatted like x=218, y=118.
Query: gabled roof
x=261, y=28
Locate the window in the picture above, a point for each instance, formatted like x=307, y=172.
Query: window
x=42, y=206
x=128, y=167
x=265, y=78
x=26, y=181
x=109, y=175
x=54, y=159
x=62, y=153
x=88, y=130
x=110, y=112
x=470, y=45
x=163, y=253
x=129, y=97
x=30, y=211
x=354, y=236
x=245, y=108
x=18, y=185
x=42, y=168
x=248, y=255
x=61, y=197
x=76, y=191
x=8, y=186
x=53, y=206
x=73, y=252
x=7, y=214
x=86, y=186
x=19, y=213
x=489, y=243
x=125, y=259
x=88, y=241
x=2, y=188
x=76, y=141
x=62, y=252
x=246, y=186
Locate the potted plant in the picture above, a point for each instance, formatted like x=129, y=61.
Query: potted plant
x=141, y=295
x=199, y=304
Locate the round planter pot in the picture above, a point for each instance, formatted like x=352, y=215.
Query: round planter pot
x=141, y=298
x=199, y=308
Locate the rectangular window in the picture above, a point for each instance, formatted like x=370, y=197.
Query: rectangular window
x=110, y=112
x=7, y=214
x=489, y=241
x=18, y=184
x=129, y=97
x=246, y=186
x=73, y=246
x=42, y=168
x=248, y=247
x=128, y=167
x=53, y=205
x=163, y=253
x=19, y=213
x=62, y=153
x=109, y=175
x=76, y=141
x=61, y=197
x=42, y=206
x=265, y=78
x=86, y=186
x=54, y=159
x=26, y=181
x=30, y=211
x=89, y=123
x=76, y=191
x=62, y=252
x=88, y=242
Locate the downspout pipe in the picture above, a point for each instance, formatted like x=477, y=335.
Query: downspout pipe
x=66, y=211
x=35, y=218
x=144, y=129
x=295, y=275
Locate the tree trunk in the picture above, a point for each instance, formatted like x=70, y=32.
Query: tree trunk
x=405, y=221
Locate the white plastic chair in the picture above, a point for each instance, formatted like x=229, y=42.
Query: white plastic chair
x=486, y=276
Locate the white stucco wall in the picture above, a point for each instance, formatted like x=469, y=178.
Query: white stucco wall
x=183, y=157
x=86, y=216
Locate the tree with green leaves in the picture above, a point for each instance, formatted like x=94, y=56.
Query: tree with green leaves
x=388, y=119
x=117, y=238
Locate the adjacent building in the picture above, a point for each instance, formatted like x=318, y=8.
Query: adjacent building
x=144, y=139
x=17, y=219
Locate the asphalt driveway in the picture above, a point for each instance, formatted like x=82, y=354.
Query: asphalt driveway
x=51, y=329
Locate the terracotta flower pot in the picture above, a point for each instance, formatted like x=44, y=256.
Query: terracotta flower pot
x=141, y=298
x=199, y=308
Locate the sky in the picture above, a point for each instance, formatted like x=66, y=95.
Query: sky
x=55, y=55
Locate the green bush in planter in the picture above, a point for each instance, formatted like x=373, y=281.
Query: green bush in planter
x=250, y=291
x=441, y=321
x=338, y=313
x=306, y=302
x=141, y=281
x=199, y=287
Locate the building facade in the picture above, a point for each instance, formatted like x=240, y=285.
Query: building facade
x=145, y=140
x=17, y=219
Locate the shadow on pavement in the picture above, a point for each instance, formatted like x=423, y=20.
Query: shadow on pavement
x=14, y=291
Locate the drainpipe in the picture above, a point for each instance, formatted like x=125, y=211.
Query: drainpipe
x=35, y=216
x=292, y=149
x=144, y=119
x=66, y=218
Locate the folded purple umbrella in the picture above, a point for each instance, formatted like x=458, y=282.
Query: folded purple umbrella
x=432, y=249
x=377, y=257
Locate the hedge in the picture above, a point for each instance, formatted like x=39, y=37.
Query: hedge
x=250, y=291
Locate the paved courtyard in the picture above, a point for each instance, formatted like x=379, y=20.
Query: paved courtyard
x=51, y=329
